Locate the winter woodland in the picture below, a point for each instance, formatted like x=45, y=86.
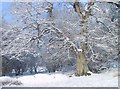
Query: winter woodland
x=60, y=40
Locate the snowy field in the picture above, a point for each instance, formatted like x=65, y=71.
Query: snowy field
x=107, y=79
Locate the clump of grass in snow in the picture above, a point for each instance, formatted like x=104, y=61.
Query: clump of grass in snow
x=9, y=81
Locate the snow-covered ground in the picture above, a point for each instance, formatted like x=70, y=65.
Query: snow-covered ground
x=107, y=79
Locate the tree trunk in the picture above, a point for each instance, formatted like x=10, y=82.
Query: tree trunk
x=35, y=69
x=31, y=70
x=81, y=65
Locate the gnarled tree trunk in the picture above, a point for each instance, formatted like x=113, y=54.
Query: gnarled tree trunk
x=81, y=65
x=81, y=62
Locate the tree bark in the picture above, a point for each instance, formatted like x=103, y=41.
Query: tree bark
x=81, y=65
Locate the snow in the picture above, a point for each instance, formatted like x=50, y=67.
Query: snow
x=65, y=80
x=41, y=69
x=80, y=50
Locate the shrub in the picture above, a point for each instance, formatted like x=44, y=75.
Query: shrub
x=9, y=81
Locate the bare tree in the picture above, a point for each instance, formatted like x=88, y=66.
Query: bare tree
x=81, y=66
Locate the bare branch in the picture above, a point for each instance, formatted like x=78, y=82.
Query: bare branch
x=77, y=8
x=89, y=8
